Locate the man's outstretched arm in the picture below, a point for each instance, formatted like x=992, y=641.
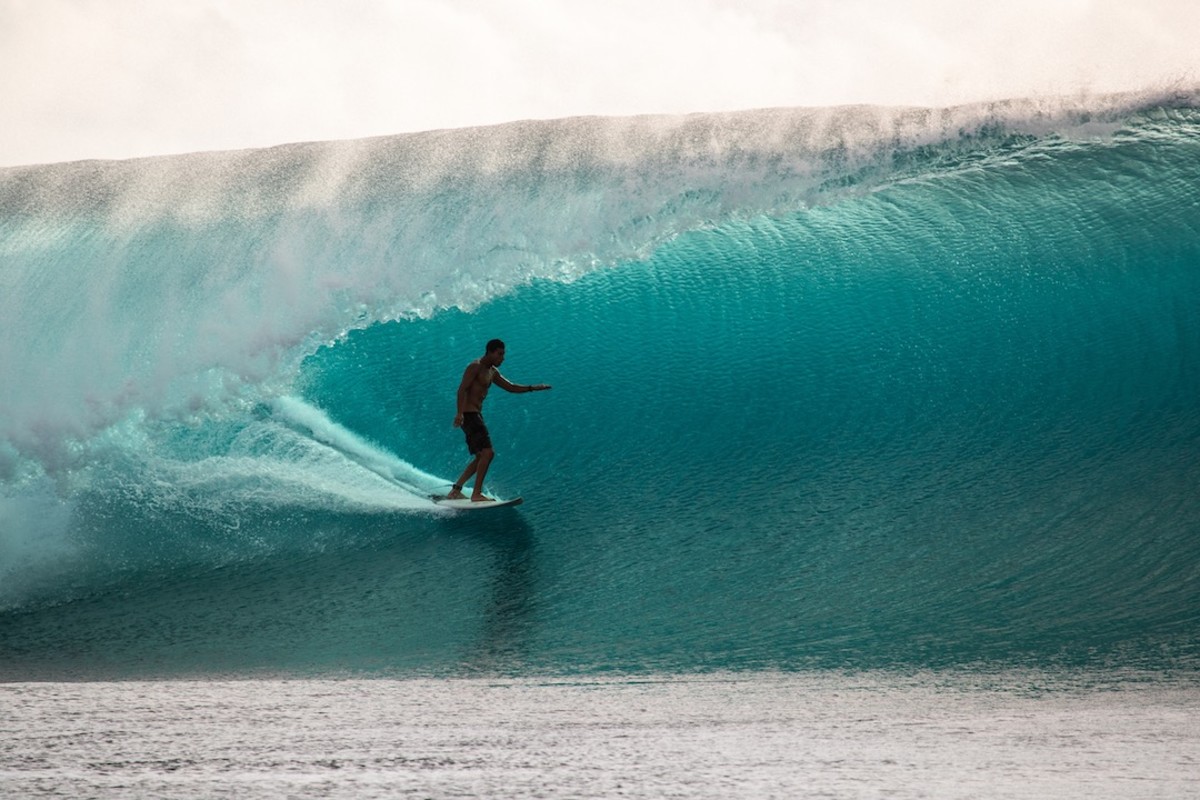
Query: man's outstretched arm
x=515, y=388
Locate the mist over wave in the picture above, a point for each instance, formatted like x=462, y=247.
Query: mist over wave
x=848, y=385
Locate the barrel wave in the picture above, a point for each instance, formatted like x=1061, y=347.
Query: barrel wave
x=833, y=388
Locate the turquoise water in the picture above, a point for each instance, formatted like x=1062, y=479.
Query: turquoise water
x=838, y=388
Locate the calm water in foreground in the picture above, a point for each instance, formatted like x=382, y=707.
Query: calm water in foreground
x=765, y=735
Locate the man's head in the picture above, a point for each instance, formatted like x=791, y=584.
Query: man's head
x=495, y=351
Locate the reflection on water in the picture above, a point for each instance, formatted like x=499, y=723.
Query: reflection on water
x=508, y=613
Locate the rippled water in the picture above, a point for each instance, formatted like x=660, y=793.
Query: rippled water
x=1011, y=735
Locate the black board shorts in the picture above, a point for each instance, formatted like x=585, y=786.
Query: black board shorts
x=478, y=438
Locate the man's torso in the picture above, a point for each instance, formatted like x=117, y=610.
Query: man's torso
x=478, y=388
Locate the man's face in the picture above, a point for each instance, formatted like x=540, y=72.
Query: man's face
x=498, y=356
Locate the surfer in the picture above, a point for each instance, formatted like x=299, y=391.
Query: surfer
x=478, y=377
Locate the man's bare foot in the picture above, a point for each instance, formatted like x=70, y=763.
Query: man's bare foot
x=456, y=494
x=479, y=498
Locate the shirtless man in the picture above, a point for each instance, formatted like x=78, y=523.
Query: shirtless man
x=477, y=379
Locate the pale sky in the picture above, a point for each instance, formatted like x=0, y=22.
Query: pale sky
x=125, y=78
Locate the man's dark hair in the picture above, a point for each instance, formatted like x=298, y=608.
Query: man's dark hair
x=493, y=345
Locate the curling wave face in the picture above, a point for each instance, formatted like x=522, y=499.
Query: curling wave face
x=835, y=387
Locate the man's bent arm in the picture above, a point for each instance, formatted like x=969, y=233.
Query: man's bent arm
x=463, y=393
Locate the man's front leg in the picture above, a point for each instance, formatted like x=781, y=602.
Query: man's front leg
x=456, y=491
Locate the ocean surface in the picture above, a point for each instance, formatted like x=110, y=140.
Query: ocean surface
x=838, y=392
x=751, y=735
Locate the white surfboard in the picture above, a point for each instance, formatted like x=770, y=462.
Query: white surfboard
x=465, y=503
